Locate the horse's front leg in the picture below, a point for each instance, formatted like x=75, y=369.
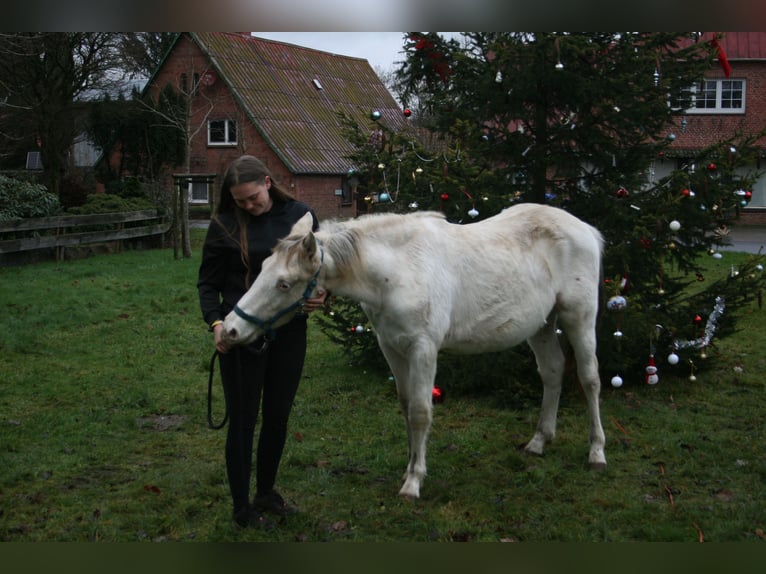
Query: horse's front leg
x=414, y=373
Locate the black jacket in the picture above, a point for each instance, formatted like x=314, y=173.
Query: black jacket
x=222, y=274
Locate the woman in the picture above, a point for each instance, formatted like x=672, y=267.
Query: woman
x=252, y=214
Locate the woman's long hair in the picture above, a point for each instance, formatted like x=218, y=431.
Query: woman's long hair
x=245, y=169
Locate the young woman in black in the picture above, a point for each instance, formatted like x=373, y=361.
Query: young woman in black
x=252, y=214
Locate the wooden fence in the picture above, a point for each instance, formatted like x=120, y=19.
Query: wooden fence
x=74, y=230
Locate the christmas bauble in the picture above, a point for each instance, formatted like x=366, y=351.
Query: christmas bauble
x=360, y=328
x=675, y=225
x=473, y=212
x=445, y=196
x=617, y=381
x=375, y=115
x=407, y=112
x=616, y=303
x=384, y=196
x=673, y=359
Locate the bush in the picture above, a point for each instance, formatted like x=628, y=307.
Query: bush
x=109, y=203
x=23, y=200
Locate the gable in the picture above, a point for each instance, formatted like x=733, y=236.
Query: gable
x=278, y=87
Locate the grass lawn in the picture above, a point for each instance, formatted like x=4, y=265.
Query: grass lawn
x=103, y=433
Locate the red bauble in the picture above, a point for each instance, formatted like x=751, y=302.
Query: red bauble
x=622, y=192
x=407, y=112
x=437, y=395
x=685, y=192
x=711, y=167
x=697, y=319
x=445, y=196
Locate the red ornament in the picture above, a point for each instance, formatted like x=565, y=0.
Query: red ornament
x=407, y=112
x=445, y=196
x=645, y=242
x=748, y=195
x=711, y=167
x=437, y=395
x=622, y=192
x=697, y=319
x=685, y=192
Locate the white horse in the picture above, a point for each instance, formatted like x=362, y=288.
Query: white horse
x=426, y=285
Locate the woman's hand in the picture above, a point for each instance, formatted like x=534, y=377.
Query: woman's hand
x=220, y=345
x=316, y=302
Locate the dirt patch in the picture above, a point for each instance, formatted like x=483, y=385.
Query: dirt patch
x=161, y=423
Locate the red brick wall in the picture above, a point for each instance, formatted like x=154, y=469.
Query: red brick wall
x=317, y=191
x=704, y=129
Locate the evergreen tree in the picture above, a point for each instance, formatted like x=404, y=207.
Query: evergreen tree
x=578, y=121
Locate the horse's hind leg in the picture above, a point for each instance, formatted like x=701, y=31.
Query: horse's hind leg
x=550, y=364
x=581, y=334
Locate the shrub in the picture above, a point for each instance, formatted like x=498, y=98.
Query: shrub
x=110, y=203
x=22, y=200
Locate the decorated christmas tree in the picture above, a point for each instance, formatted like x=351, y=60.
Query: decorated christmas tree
x=581, y=121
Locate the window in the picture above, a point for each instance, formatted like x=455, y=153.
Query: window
x=183, y=83
x=222, y=132
x=198, y=192
x=33, y=160
x=718, y=97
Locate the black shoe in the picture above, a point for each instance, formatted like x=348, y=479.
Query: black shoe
x=273, y=502
x=251, y=518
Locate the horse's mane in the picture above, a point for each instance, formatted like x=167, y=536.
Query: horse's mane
x=341, y=239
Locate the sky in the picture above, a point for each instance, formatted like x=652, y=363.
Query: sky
x=381, y=49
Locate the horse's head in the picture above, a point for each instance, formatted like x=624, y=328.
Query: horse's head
x=288, y=277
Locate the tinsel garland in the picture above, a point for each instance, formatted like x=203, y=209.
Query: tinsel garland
x=710, y=328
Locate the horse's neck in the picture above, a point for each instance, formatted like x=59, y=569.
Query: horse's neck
x=364, y=279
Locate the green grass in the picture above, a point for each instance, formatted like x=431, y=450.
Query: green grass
x=103, y=434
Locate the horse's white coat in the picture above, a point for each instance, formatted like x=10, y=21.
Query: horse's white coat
x=427, y=285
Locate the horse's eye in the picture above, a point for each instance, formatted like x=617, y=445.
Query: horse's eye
x=283, y=285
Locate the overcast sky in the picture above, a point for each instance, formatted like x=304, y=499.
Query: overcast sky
x=381, y=49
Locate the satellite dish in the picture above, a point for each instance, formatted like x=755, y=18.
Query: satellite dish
x=209, y=78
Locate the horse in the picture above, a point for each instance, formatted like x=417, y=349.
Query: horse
x=427, y=285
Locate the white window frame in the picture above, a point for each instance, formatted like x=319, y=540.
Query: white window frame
x=201, y=188
x=719, y=84
x=230, y=129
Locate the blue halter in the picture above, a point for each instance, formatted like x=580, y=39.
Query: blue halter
x=268, y=325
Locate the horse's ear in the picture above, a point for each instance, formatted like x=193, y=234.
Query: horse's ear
x=310, y=245
x=304, y=225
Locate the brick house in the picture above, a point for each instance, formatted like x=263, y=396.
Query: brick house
x=723, y=106
x=276, y=101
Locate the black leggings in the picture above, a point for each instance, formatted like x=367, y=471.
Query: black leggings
x=246, y=376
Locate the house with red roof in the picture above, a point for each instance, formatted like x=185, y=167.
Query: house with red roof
x=279, y=102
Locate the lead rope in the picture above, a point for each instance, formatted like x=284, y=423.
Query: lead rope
x=260, y=350
x=210, y=422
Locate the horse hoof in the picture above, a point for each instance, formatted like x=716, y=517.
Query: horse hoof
x=531, y=451
x=409, y=492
